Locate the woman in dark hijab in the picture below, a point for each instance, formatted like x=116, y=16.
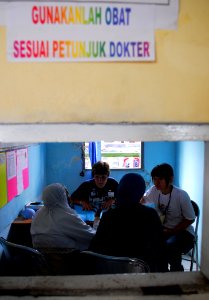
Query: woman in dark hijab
x=131, y=229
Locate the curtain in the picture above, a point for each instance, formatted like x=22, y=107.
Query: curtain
x=93, y=152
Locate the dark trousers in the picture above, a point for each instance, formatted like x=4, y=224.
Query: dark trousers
x=176, y=246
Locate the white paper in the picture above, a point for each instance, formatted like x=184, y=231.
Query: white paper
x=22, y=163
x=3, y=7
x=11, y=164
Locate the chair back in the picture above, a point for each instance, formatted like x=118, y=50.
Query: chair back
x=96, y=263
x=197, y=214
x=194, y=250
x=19, y=260
x=62, y=261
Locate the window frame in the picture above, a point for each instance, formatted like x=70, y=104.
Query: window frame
x=87, y=162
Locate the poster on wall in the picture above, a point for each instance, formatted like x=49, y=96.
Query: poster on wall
x=22, y=170
x=17, y=172
x=20, y=187
x=3, y=179
x=69, y=31
x=11, y=174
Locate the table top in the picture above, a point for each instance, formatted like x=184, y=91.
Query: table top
x=21, y=220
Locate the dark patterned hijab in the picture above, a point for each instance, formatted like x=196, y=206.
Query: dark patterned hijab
x=131, y=188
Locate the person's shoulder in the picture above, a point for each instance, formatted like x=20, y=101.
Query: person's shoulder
x=38, y=215
x=149, y=214
x=151, y=190
x=148, y=210
x=87, y=182
x=182, y=193
x=83, y=186
x=110, y=214
x=112, y=180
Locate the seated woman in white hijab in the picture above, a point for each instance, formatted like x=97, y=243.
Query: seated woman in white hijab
x=56, y=227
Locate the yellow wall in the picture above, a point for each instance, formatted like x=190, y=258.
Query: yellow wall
x=174, y=88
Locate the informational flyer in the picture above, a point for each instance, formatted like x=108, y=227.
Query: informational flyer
x=22, y=170
x=17, y=172
x=11, y=174
x=3, y=179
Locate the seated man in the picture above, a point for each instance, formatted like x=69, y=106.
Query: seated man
x=98, y=193
x=176, y=212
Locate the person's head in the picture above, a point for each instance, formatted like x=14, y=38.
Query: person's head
x=131, y=188
x=162, y=176
x=100, y=173
x=55, y=195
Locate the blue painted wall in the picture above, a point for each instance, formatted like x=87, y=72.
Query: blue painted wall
x=37, y=175
x=159, y=152
x=190, y=173
x=64, y=164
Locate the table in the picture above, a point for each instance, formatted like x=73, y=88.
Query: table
x=19, y=232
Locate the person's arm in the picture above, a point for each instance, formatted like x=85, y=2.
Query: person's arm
x=149, y=196
x=74, y=227
x=180, y=227
x=85, y=204
x=108, y=203
x=187, y=213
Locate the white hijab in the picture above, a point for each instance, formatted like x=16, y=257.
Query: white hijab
x=56, y=225
x=54, y=195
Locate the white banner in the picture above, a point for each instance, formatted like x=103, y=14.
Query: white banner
x=70, y=31
x=3, y=6
x=160, y=2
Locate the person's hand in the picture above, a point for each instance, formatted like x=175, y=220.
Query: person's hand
x=107, y=204
x=167, y=232
x=142, y=200
x=86, y=205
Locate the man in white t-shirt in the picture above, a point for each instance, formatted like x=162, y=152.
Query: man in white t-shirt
x=176, y=212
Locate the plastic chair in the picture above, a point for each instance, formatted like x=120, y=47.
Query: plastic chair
x=192, y=256
x=95, y=263
x=62, y=261
x=19, y=260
